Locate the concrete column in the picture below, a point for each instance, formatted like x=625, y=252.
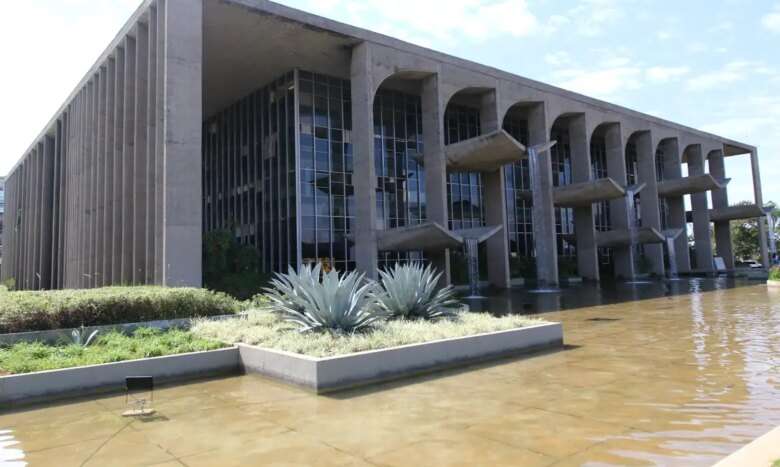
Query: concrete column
x=363, y=87
x=543, y=210
x=616, y=169
x=183, y=111
x=701, y=212
x=494, y=191
x=47, y=192
x=720, y=199
x=584, y=222
x=651, y=216
x=759, y=200
x=113, y=256
x=435, y=166
x=128, y=157
x=139, y=155
x=105, y=182
x=152, y=111
x=676, y=205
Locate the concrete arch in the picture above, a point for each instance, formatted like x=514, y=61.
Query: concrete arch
x=402, y=75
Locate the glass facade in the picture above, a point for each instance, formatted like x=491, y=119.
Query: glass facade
x=249, y=183
x=663, y=205
x=632, y=177
x=398, y=151
x=464, y=189
x=601, y=214
x=561, y=173
x=518, y=196
x=327, y=190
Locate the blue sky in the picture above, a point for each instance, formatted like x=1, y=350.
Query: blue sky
x=713, y=65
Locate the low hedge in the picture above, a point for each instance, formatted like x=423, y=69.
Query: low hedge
x=56, y=309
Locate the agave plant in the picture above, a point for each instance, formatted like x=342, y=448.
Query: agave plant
x=79, y=336
x=316, y=300
x=411, y=291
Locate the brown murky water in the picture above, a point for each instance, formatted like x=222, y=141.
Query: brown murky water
x=679, y=379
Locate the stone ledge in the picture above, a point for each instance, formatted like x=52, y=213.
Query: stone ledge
x=762, y=451
x=323, y=375
x=70, y=382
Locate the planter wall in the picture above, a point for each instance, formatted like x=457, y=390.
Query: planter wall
x=53, y=384
x=317, y=374
x=331, y=374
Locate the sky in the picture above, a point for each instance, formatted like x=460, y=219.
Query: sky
x=710, y=64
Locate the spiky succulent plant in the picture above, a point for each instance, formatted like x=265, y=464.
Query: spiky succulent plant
x=81, y=338
x=411, y=291
x=316, y=300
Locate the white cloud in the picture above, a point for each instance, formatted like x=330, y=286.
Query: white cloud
x=601, y=82
x=771, y=20
x=665, y=74
x=558, y=59
x=612, y=75
x=50, y=44
x=591, y=17
x=731, y=73
x=476, y=20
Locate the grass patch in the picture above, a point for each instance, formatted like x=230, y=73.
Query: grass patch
x=264, y=329
x=56, y=309
x=26, y=357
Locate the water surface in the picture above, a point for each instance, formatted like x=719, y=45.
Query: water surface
x=669, y=374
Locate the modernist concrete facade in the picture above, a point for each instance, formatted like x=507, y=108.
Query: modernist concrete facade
x=313, y=140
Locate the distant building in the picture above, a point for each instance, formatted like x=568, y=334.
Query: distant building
x=316, y=141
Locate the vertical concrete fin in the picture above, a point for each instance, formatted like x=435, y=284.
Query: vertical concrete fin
x=140, y=154
x=701, y=211
x=650, y=213
x=127, y=172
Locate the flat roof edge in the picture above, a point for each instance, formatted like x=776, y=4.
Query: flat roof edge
x=118, y=37
x=361, y=34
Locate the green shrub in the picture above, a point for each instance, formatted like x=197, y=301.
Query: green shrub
x=774, y=273
x=26, y=357
x=567, y=266
x=42, y=310
x=230, y=267
x=413, y=292
x=643, y=264
x=318, y=301
x=522, y=266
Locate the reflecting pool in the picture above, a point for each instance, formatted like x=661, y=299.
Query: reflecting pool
x=677, y=373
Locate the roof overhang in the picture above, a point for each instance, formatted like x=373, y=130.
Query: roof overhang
x=430, y=236
x=484, y=153
x=688, y=185
x=733, y=213
x=480, y=234
x=618, y=238
x=587, y=193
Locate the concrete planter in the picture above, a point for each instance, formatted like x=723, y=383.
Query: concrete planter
x=54, y=384
x=762, y=451
x=334, y=373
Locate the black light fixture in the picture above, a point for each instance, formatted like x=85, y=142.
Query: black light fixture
x=134, y=385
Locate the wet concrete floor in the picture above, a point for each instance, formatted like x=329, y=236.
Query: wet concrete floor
x=652, y=375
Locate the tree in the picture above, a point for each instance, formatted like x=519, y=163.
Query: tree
x=745, y=233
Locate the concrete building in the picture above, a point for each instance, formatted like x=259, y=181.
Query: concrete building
x=314, y=140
